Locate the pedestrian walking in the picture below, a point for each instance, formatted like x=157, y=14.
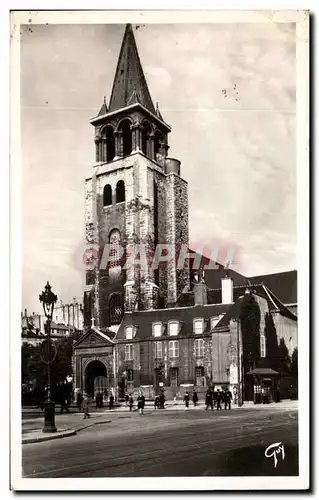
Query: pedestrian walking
x=62, y=395
x=156, y=402
x=140, y=403
x=97, y=401
x=186, y=399
x=218, y=399
x=85, y=406
x=209, y=399
x=195, y=397
x=162, y=401
x=79, y=399
x=227, y=399
x=126, y=399
x=111, y=401
x=131, y=402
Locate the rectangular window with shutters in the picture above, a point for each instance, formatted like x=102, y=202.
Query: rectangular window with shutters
x=262, y=346
x=129, y=352
x=199, y=375
x=173, y=376
x=199, y=348
x=173, y=349
x=158, y=350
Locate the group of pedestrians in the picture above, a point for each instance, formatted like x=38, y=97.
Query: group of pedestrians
x=213, y=398
x=217, y=398
x=187, y=398
x=159, y=402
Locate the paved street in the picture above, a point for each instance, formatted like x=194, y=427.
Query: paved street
x=171, y=443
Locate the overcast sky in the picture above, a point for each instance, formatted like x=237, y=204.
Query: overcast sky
x=227, y=91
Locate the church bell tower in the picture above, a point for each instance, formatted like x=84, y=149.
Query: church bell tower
x=135, y=201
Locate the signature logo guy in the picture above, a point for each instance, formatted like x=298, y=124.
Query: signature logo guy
x=274, y=450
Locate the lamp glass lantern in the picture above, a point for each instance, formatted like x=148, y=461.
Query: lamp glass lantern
x=48, y=300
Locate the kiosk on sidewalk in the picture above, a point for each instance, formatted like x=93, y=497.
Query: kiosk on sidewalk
x=265, y=385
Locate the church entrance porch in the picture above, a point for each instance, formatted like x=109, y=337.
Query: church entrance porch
x=95, y=378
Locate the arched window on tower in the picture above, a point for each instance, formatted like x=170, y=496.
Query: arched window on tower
x=110, y=143
x=120, y=192
x=115, y=253
x=146, y=130
x=107, y=195
x=125, y=128
x=116, y=309
x=158, y=138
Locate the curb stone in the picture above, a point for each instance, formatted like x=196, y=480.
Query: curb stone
x=43, y=437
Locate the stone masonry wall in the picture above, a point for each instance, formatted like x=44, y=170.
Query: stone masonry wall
x=176, y=233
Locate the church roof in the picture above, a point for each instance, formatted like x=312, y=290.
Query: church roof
x=283, y=285
x=143, y=320
x=129, y=81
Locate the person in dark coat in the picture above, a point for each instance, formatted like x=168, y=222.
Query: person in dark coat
x=162, y=400
x=111, y=402
x=156, y=402
x=62, y=395
x=131, y=402
x=227, y=399
x=186, y=399
x=195, y=397
x=141, y=403
x=218, y=399
x=97, y=400
x=209, y=399
x=79, y=399
x=126, y=399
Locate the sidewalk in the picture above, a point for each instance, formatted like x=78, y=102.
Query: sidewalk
x=69, y=424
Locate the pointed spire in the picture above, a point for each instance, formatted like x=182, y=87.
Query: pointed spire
x=103, y=109
x=129, y=74
x=158, y=113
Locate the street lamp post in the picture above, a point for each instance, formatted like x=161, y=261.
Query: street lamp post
x=48, y=299
x=239, y=387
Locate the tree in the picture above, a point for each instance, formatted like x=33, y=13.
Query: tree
x=294, y=364
x=270, y=361
x=33, y=366
x=282, y=358
x=27, y=351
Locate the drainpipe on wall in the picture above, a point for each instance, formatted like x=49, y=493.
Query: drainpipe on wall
x=239, y=387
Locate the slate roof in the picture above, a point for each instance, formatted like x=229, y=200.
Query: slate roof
x=143, y=319
x=129, y=77
x=283, y=285
x=262, y=291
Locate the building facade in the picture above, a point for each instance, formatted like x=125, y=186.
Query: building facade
x=149, y=327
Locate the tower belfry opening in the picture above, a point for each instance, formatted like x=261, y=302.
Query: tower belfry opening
x=141, y=202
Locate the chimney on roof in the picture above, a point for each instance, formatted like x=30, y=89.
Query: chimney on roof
x=200, y=289
x=227, y=290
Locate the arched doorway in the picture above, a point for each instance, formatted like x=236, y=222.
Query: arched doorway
x=95, y=378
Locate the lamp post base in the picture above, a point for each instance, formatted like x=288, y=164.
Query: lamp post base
x=49, y=417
